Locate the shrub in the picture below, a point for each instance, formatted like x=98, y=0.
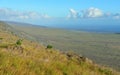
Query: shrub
x=19, y=42
x=49, y=46
x=105, y=71
x=1, y=38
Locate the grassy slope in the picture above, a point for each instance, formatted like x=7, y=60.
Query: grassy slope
x=33, y=59
x=102, y=48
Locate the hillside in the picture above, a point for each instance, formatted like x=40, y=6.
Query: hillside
x=30, y=58
x=102, y=48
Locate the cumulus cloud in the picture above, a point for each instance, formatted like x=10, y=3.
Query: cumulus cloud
x=92, y=13
x=9, y=14
x=73, y=14
x=88, y=13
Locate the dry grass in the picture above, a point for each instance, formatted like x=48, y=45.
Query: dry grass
x=34, y=59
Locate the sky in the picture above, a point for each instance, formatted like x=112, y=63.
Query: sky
x=57, y=12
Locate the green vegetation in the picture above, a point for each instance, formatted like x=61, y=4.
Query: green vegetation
x=49, y=47
x=1, y=38
x=19, y=42
x=105, y=71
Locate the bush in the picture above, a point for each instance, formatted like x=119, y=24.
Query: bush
x=1, y=38
x=49, y=46
x=105, y=71
x=19, y=42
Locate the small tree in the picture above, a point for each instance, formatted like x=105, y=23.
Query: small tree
x=19, y=42
x=49, y=46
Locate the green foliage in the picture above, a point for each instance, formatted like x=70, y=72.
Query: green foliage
x=64, y=73
x=1, y=38
x=19, y=42
x=105, y=71
x=49, y=46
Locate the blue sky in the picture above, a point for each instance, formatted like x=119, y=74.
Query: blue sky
x=60, y=8
x=59, y=11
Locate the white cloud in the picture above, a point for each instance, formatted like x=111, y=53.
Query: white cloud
x=9, y=14
x=73, y=14
x=92, y=13
x=116, y=16
x=88, y=13
x=46, y=16
x=23, y=17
